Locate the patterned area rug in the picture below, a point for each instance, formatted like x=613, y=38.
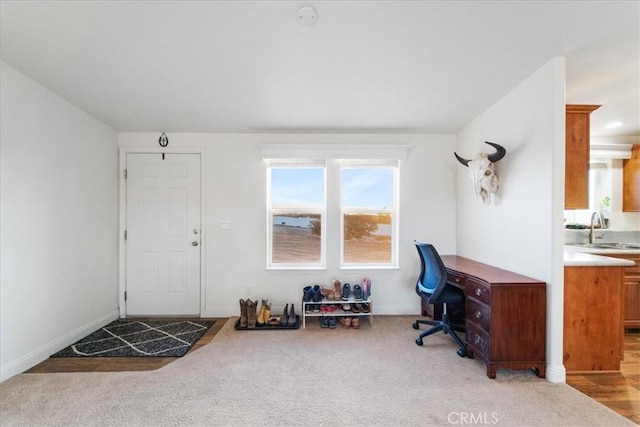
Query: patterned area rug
x=146, y=338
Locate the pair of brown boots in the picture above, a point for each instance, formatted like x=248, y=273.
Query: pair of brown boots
x=248, y=313
x=333, y=294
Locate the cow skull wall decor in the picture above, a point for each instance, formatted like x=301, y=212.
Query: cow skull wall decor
x=482, y=171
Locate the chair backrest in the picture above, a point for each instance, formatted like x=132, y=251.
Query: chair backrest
x=433, y=274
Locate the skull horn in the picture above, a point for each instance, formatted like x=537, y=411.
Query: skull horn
x=462, y=160
x=499, y=154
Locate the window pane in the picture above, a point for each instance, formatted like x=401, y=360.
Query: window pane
x=297, y=187
x=367, y=188
x=367, y=238
x=296, y=238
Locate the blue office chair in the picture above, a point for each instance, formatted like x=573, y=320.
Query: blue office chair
x=432, y=284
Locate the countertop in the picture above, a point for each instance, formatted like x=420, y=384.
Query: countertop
x=575, y=256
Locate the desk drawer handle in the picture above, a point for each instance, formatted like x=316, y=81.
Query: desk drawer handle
x=457, y=280
x=478, y=291
x=478, y=315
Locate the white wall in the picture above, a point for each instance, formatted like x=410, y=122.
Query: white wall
x=236, y=190
x=59, y=224
x=522, y=230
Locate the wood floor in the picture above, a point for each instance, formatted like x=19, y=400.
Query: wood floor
x=620, y=391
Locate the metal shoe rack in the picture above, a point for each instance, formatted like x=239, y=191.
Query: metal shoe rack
x=339, y=312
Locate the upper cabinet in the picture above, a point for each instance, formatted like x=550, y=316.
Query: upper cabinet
x=576, y=175
x=631, y=181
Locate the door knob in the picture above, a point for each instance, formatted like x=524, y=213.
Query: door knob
x=194, y=243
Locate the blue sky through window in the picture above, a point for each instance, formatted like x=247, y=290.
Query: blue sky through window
x=367, y=188
x=296, y=187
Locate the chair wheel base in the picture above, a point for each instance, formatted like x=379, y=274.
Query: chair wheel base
x=419, y=341
x=461, y=352
x=415, y=325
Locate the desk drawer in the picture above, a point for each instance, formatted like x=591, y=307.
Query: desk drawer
x=479, y=291
x=479, y=313
x=477, y=339
x=456, y=279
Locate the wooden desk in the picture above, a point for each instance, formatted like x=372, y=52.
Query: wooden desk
x=505, y=315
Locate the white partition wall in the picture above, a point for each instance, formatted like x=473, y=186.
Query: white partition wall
x=522, y=230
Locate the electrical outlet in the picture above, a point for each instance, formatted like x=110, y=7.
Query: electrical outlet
x=225, y=224
x=249, y=291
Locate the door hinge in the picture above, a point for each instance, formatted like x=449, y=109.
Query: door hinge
x=125, y=295
x=125, y=234
x=124, y=173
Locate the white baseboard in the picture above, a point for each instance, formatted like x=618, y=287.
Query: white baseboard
x=32, y=359
x=556, y=374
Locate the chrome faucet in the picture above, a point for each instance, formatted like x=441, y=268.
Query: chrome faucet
x=592, y=236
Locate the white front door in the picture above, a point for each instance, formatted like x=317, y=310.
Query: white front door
x=163, y=234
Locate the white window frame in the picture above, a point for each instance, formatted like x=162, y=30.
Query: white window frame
x=322, y=211
x=394, y=211
x=330, y=150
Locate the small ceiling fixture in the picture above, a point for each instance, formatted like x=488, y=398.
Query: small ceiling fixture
x=307, y=16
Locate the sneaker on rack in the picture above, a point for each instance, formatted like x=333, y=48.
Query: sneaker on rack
x=332, y=322
x=346, y=292
x=357, y=292
x=324, y=322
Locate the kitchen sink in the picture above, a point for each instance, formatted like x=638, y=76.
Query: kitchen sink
x=620, y=246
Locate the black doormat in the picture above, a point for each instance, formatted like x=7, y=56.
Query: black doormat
x=144, y=338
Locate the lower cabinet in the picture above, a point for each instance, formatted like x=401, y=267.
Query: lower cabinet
x=632, y=303
x=630, y=291
x=593, y=327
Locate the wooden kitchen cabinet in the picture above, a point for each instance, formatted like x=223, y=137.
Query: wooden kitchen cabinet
x=577, y=144
x=593, y=325
x=631, y=291
x=631, y=181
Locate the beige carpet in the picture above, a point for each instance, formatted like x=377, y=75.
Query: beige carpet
x=374, y=376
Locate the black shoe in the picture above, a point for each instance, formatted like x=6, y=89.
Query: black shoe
x=317, y=293
x=346, y=292
x=292, y=319
x=307, y=293
x=357, y=292
x=283, y=319
x=324, y=322
x=332, y=322
x=307, y=297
